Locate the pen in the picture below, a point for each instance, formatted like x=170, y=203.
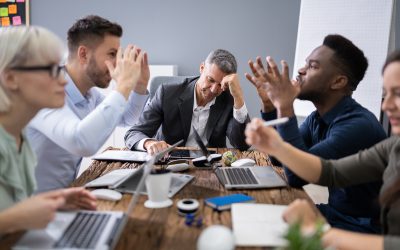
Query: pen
x=276, y=121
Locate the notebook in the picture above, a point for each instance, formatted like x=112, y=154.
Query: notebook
x=249, y=177
x=258, y=225
x=221, y=203
x=86, y=229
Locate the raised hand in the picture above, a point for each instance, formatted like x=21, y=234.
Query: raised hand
x=259, y=82
x=141, y=87
x=280, y=89
x=127, y=70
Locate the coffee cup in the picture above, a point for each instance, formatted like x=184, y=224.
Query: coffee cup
x=157, y=185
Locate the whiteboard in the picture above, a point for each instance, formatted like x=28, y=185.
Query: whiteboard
x=367, y=23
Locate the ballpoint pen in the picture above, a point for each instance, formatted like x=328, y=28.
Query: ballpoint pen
x=276, y=121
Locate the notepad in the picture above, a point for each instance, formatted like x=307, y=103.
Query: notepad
x=224, y=202
x=258, y=224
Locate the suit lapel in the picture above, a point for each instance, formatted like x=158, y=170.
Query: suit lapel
x=185, y=105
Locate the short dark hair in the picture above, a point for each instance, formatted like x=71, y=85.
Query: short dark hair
x=348, y=57
x=393, y=57
x=90, y=31
x=224, y=59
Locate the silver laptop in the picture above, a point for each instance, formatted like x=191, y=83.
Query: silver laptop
x=249, y=177
x=243, y=177
x=126, y=180
x=86, y=229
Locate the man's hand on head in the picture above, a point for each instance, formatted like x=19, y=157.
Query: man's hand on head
x=232, y=83
x=154, y=146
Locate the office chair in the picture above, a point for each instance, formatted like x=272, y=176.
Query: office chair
x=158, y=80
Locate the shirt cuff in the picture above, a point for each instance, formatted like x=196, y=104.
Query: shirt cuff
x=267, y=116
x=240, y=114
x=117, y=98
x=138, y=99
x=140, y=144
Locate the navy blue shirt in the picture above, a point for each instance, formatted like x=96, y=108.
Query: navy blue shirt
x=346, y=129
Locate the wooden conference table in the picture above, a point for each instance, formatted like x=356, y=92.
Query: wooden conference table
x=164, y=228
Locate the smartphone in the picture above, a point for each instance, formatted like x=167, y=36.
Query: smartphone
x=187, y=154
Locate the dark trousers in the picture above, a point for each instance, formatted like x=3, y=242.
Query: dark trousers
x=356, y=224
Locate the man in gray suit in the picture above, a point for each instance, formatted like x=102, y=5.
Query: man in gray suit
x=212, y=103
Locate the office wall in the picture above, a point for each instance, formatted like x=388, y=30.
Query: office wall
x=182, y=32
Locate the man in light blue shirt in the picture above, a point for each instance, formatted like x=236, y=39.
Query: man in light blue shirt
x=61, y=137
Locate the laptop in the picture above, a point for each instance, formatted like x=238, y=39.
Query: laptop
x=206, y=161
x=242, y=177
x=126, y=180
x=86, y=229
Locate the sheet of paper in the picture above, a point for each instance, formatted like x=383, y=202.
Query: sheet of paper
x=258, y=224
x=122, y=155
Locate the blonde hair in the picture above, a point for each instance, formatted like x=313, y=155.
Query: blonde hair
x=22, y=45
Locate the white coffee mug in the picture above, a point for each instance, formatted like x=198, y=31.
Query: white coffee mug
x=157, y=185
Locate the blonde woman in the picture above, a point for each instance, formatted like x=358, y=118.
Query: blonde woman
x=31, y=78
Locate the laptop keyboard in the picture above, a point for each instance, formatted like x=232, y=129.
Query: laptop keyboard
x=237, y=176
x=84, y=231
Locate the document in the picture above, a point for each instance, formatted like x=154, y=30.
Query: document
x=258, y=224
x=122, y=155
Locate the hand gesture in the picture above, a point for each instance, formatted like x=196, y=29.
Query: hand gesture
x=280, y=89
x=127, y=70
x=259, y=83
x=141, y=87
x=265, y=139
x=231, y=82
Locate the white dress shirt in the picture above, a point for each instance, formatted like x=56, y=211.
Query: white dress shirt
x=61, y=137
x=199, y=121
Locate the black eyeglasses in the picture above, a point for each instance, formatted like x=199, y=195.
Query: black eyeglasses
x=54, y=70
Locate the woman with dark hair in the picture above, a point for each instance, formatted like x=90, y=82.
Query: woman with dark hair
x=381, y=162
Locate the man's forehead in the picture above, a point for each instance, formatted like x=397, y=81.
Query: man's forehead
x=110, y=42
x=321, y=54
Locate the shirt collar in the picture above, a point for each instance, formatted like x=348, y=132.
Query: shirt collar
x=207, y=106
x=72, y=91
x=337, y=109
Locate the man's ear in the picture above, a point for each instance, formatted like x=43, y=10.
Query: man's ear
x=83, y=54
x=339, y=82
x=201, y=67
x=9, y=80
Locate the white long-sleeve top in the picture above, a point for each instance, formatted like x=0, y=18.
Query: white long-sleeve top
x=61, y=137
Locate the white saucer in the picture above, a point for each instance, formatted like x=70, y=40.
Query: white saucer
x=160, y=204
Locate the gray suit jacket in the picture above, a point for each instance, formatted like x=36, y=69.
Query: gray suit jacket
x=172, y=108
